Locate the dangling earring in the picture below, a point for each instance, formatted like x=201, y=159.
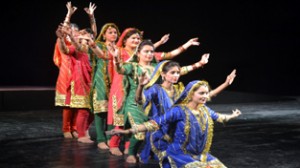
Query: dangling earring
x=103, y=38
x=163, y=78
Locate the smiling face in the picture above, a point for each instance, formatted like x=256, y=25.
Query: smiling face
x=133, y=41
x=111, y=34
x=200, y=95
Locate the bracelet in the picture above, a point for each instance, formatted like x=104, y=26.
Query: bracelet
x=196, y=65
x=93, y=45
x=92, y=20
x=135, y=129
x=181, y=49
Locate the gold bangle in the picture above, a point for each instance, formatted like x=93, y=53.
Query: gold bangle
x=135, y=129
x=93, y=45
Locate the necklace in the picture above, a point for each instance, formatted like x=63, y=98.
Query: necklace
x=130, y=52
x=170, y=92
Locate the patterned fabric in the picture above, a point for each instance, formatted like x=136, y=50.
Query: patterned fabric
x=63, y=62
x=119, y=85
x=101, y=79
x=116, y=93
x=79, y=96
x=156, y=103
x=133, y=114
x=192, y=138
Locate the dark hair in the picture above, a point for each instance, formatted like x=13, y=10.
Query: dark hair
x=143, y=43
x=170, y=65
x=89, y=30
x=130, y=33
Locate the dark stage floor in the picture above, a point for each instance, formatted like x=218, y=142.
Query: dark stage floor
x=266, y=135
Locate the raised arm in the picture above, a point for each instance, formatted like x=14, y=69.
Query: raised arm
x=71, y=10
x=224, y=85
x=61, y=40
x=90, y=11
x=226, y=117
x=162, y=41
x=186, y=69
x=67, y=31
x=179, y=50
x=143, y=80
x=134, y=130
x=97, y=50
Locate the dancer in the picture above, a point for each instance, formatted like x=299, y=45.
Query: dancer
x=63, y=62
x=191, y=121
x=160, y=93
x=80, y=82
x=102, y=75
x=127, y=44
x=131, y=114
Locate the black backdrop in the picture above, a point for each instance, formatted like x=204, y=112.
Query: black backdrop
x=258, y=38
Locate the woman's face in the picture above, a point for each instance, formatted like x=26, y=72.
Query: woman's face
x=200, y=96
x=172, y=75
x=133, y=41
x=146, y=54
x=111, y=34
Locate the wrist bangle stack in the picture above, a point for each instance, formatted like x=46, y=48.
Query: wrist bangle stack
x=92, y=20
x=93, y=45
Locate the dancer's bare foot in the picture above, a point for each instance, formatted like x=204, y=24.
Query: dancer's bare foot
x=102, y=145
x=115, y=151
x=126, y=151
x=87, y=134
x=85, y=140
x=75, y=134
x=68, y=135
x=131, y=159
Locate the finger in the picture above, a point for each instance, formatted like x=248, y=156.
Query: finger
x=233, y=72
x=108, y=132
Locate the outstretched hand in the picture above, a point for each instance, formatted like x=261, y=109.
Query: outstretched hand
x=204, y=59
x=116, y=132
x=114, y=51
x=236, y=113
x=193, y=41
x=143, y=78
x=165, y=38
x=90, y=10
x=71, y=9
x=59, y=32
x=231, y=77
